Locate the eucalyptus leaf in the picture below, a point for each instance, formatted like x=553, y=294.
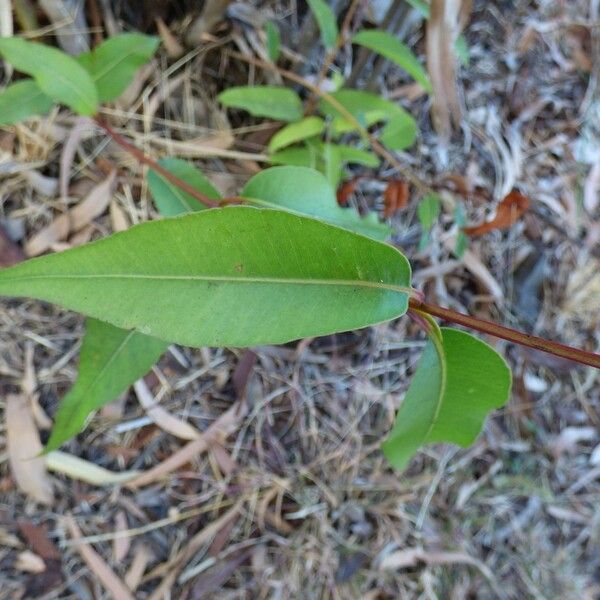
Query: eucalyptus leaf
x=114, y=62
x=296, y=132
x=111, y=360
x=306, y=191
x=57, y=74
x=172, y=200
x=391, y=47
x=22, y=100
x=326, y=20
x=449, y=397
x=264, y=101
x=278, y=277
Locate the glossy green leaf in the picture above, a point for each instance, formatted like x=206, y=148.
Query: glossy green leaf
x=400, y=130
x=326, y=20
x=449, y=396
x=22, y=100
x=278, y=278
x=353, y=155
x=172, y=200
x=296, y=132
x=264, y=101
x=113, y=63
x=111, y=360
x=273, y=41
x=57, y=74
x=306, y=191
x=391, y=47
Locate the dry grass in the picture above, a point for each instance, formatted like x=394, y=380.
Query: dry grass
x=321, y=513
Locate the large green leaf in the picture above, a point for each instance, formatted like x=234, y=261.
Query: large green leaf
x=57, y=74
x=450, y=396
x=113, y=63
x=236, y=276
x=326, y=19
x=306, y=191
x=172, y=200
x=296, y=132
x=264, y=101
x=22, y=100
x=391, y=47
x=400, y=130
x=111, y=360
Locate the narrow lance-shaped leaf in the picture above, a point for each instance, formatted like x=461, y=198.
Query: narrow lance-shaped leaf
x=111, y=360
x=113, y=63
x=57, y=74
x=278, y=277
x=326, y=20
x=306, y=191
x=296, y=132
x=264, y=101
x=273, y=41
x=391, y=47
x=449, y=397
x=22, y=100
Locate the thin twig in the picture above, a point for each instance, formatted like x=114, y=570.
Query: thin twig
x=506, y=333
x=146, y=160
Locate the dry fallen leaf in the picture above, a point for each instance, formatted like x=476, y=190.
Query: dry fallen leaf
x=93, y=205
x=30, y=562
x=78, y=468
x=512, y=207
x=98, y=566
x=10, y=253
x=24, y=446
x=172, y=46
x=121, y=543
x=347, y=189
x=142, y=555
x=395, y=197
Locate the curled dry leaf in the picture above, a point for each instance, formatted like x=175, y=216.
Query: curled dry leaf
x=93, y=205
x=161, y=417
x=512, y=207
x=395, y=197
x=24, y=447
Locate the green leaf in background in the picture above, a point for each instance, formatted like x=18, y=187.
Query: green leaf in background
x=278, y=278
x=400, y=130
x=391, y=47
x=172, y=200
x=421, y=7
x=332, y=164
x=273, y=41
x=462, y=50
x=270, y=101
x=296, y=132
x=356, y=156
x=111, y=360
x=306, y=191
x=306, y=155
x=57, y=74
x=462, y=241
x=113, y=63
x=22, y=100
x=428, y=212
x=326, y=20
x=449, y=396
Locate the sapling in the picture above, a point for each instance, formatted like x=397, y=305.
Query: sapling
x=279, y=262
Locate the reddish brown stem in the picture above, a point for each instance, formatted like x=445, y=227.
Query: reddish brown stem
x=506, y=333
x=146, y=160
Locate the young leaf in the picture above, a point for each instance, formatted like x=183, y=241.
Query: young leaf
x=273, y=41
x=400, y=131
x=113, y=63
x=306, y=191
x=353, y=155
x=111, y=360
x=296, y=132
x=171, y=200
x=428, y=212
x=326, y=20
x=22, y=100
x=306, y=155
x=449, y=397
x=57, y=74
x=391, y=47
x=278, y=277
x=264, y=101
